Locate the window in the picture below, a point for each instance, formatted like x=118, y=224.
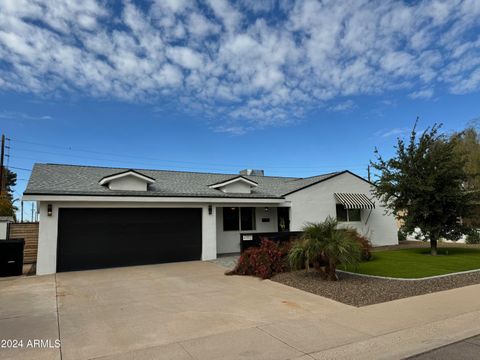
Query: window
x=348, y=214
x=354, y=215
x=235, y=219
x=230, y=219
x=247, y=218
x=341, y=213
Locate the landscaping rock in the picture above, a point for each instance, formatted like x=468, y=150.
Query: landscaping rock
x=361, y=291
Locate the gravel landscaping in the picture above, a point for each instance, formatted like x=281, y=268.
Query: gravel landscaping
x=361, y=291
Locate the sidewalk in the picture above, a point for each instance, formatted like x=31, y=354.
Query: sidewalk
x=468, y=348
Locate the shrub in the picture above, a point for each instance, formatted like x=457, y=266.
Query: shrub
x=402, y=236
x=473, y=237
x=264, y=261
x=365, y=245
x=325, y=246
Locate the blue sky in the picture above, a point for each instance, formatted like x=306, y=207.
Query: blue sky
x=295, y=88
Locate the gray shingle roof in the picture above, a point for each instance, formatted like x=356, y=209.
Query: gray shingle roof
x=57, y=179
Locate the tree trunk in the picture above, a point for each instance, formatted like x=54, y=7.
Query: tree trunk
x=433, y=246
x=322, y=269
x=332, y=273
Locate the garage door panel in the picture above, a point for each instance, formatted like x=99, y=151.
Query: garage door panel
x=97, y=238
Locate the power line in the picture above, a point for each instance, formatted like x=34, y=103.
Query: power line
x=116, y=155
x=158, y=160
x=136, y=162
x=93, y=158
x=124, y=163
x=172, y=167
x=19, y=168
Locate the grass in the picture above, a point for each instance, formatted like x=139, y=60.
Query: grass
x=418, y=263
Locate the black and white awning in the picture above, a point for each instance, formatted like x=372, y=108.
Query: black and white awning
x=354, y=201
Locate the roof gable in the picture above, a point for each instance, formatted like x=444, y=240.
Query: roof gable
x=106, y=179
x=129, y=180
x=325, y=178
x=238, y=184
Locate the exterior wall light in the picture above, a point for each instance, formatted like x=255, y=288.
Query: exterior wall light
x=267, y=209
x=209, y=209
x=49, y=210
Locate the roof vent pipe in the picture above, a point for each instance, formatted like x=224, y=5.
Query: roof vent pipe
x=252, y=172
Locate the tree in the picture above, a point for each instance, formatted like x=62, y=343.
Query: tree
x=6, y=207
x=6, y=199
x=325, y=246
x=10, y=182
x=468, y=147
x=424, y=185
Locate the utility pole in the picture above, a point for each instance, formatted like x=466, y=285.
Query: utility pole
x=21, y=211
x=2, y=155
x=368, y=172
x=32, y=212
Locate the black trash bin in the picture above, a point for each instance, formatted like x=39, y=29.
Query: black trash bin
x=11, y=257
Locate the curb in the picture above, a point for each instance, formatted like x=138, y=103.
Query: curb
x=409, y=279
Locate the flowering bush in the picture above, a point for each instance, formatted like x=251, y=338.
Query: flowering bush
x=264, y=261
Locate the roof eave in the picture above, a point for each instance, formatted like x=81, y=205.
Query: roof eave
x=233, y=180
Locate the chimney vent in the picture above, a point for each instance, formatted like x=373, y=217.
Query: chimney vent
x=252, y=172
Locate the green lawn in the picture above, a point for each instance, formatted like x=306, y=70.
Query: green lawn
x=417, y=263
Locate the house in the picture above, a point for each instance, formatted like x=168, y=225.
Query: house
x=95, y=217
x=4, y=221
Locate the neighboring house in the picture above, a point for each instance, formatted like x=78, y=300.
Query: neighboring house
x=94, y=217
x=4, y=221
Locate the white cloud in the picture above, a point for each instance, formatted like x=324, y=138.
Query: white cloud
x=421, y=94
x=237, y=61
x=15, y=115
x=391, y=132
x=185, y=57
x=347, y=105
x=231, y=129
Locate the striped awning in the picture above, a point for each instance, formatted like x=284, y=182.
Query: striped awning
x=354, y=201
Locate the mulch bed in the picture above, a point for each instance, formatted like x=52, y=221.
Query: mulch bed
x=361, y=291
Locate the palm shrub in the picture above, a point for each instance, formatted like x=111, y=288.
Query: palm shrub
x=324, y=246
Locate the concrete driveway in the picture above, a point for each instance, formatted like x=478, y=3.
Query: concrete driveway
x=193, y=311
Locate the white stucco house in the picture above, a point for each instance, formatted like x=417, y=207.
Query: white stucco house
x=94, y=217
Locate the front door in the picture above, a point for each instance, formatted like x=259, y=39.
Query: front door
x=283, y=214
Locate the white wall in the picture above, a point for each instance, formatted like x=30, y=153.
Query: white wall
x=128, y=183
x=229, y=241
x=237, y=187
x=315, y=203
x=3, y=230
x=47, y=238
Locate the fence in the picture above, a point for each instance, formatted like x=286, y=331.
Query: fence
x=28, y=232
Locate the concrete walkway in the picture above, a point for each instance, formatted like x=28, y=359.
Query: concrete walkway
x=192, y=311
x=468, y=349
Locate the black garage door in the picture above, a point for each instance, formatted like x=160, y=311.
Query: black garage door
x=99, y=238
